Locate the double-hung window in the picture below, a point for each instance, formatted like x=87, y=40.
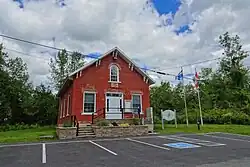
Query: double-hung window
x=136, y=102
x=64, y=107
x=114, y=73
x=68, y=105
x=89, y=102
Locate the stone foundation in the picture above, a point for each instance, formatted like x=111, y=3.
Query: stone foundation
x=150, y=128
x=66, y=132
x=120, y=131
x=130, y=121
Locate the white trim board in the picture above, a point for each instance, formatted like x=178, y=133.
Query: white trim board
x=90, y=92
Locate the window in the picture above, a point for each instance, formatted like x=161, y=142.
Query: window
x=89, y=102
x=68, y=106
x=114, y=73
x=64, y=107
x=136, y=102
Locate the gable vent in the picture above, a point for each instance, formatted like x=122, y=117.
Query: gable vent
x=115, y=53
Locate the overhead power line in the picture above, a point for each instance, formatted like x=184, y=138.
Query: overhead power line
x=190, y=64
x=60, y=49
x=33, y=43
x=25, y=54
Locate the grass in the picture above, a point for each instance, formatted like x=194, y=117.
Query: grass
x=32, y=135
x=192, y=128
x=27, y=135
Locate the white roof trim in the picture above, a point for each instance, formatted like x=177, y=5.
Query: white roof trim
x=107, y=53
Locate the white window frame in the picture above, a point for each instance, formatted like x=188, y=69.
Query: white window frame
x=136, y=94
x=68, y=105
x=64, y=107
x=118, y=73
x=89, y=113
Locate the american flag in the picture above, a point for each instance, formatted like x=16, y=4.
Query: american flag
x=196, y=79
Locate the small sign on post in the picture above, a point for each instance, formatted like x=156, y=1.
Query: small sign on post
x=168, y=115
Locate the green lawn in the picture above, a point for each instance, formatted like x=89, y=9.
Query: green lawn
x=31, y=135
x=171, y=129
x=27, y=135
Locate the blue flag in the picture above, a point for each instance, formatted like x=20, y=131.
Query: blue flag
x=179, y=76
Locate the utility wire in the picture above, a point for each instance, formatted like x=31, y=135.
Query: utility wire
x=23, y=53
x=33, y=43
x=59, y=49
x=190, y=64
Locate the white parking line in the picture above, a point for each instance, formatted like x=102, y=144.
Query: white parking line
x=234, y=134
x=19, y=145
x=43, y=153
x=148, y=144
x=71, y=141
x=228, y=138
x=193, y=141
x=98, y=145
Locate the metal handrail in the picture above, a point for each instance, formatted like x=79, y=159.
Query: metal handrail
x=102, y=115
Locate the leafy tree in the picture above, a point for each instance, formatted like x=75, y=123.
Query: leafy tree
x=62, y=65
x=223, y=90
x=231, y=66
x=20, y=102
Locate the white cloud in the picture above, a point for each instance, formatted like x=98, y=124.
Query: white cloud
x=96, y=26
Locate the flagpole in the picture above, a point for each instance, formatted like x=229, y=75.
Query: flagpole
x=185, y=102
x=199, y=100
x=200, y=106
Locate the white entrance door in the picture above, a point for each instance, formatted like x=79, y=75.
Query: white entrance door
x=114, y=101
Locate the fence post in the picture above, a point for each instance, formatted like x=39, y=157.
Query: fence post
x=77, y=128
x=92, y=118
x=122, y=110
x=139, y=114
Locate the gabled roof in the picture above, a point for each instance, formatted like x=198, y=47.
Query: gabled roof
x=123, y=55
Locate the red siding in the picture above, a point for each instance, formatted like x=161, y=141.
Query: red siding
x=64, y=98
x=96, y=78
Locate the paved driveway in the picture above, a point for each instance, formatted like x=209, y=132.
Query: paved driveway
x=215, y=150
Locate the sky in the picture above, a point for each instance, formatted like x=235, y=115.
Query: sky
x=160, y=34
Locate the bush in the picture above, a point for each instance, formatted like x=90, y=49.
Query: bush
x=67, y=123
x=17, y=127
x=135, y=121
x=215, y=116
x=124, y=125
x=102, y=122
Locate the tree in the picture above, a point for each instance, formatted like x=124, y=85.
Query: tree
x=62, y=65
x=20, y=102
x=231, y=66
x=224, y=89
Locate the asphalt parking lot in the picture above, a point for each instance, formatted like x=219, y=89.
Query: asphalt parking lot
x=189, y=150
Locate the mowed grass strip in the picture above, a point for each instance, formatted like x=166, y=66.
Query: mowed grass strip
x=32, y=135
x=206, y=128
x=27, y=135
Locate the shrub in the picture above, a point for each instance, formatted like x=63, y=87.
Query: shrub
x=124, y=125
x=135, y=121
x=102, y=122
x=67, y=123
x=8, y=127
x=216, y=116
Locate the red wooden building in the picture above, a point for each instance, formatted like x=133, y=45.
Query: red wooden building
x=103, y=87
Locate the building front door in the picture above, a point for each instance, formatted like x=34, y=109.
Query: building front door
x=114, y=101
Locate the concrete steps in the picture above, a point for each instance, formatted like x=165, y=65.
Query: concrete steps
x=85, y=131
